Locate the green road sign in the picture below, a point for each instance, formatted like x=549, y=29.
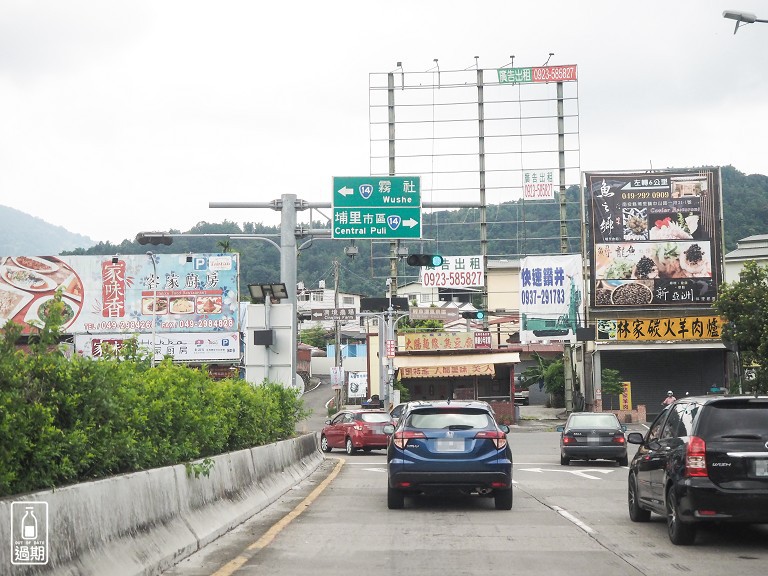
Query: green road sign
x=376, y=207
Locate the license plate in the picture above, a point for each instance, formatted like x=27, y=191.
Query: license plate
x=450, y=445
x=593, y=439
x=761, y=468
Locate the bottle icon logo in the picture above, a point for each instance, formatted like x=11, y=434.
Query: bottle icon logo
x=29, y=533
x=29, y=524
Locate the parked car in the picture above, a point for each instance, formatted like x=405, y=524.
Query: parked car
x=355, y=429
x=704, y=459
x=592, y=436
x=521, y=397
x=449, y=445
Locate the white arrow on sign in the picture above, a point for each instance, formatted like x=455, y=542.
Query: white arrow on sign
x=346, y=191
x=410, y=222
x=581, y=473
x=317, y=314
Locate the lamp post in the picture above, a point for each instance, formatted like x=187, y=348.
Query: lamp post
x=741, y=18
x=154, y=303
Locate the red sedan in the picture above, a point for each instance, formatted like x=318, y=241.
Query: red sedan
x=354, y=430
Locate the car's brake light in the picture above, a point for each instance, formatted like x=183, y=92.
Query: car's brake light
x=569, y=439
x=619, y=438
x=498, y=437
x=695, y=458
x=401, y=438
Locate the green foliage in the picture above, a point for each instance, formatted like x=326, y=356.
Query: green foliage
x=405, y=394
x=66, y=420
x=744, y=305
x=315, y=336
x=197, y=469
x=550, y=371
x=611, y=383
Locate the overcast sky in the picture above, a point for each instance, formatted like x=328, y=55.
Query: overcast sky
x=118, y=117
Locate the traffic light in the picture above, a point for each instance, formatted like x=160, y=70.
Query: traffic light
x=432, y=260
x=155, y=238
x=476, y=315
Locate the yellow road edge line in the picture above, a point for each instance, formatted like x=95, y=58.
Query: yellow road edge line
x=236, y=563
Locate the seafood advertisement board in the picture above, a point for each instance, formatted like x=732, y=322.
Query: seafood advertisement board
x=655, y=238
x=123, y=294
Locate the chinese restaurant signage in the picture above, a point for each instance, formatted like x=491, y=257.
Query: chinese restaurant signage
x=123, y=294
x=655, y=238
x=183, y=347
x=440, y=371
x=671, y=328
x=441, y=341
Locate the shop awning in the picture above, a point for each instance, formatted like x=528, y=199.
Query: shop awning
x=445, y=366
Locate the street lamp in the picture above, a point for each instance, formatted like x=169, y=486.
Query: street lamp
x=154, y=304
x=741, y=18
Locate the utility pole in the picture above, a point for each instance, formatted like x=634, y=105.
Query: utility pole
x=337, y=325
x=567, y=350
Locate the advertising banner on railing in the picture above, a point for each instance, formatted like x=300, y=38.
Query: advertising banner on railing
x=655, y=238
x=123, y=294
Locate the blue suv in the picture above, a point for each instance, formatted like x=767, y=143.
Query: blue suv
x=449, y=445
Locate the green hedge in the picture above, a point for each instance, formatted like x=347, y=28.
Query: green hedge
x=69, y=420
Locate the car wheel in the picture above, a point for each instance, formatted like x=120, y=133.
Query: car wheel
x=502, y=499
x=395, y=499
x=324, y=444
x=636, y=514
x=623, y=461
x=349, y=447
x=680, y=533
x=564, y=460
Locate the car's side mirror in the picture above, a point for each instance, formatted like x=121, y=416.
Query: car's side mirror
x=328, y=421
x=635, y=438
x=560, y=428
x=623, y=428
x=504, y=428
x=389, y=429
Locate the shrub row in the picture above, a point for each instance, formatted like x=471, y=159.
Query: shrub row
x=66, y=420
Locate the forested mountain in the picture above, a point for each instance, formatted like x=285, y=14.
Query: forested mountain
x=21, y=233
x=514, y=229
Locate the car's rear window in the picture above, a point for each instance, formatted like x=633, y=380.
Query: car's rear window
x=451, y=417
x=375, y=417
x=749, y=416
x=593, y=421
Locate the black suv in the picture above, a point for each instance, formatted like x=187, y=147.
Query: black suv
x=704, y=459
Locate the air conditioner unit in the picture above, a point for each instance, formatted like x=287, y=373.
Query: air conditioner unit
x=321, y=284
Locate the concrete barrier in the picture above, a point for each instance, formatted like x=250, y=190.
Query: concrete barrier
x=145, y=522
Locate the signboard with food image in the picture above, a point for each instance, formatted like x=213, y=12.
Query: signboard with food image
x=123, y=294
x=655, y=238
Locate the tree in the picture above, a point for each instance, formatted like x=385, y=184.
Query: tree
x=315, y=336
x=551, y=373
x=611, y=383
x=744, y=306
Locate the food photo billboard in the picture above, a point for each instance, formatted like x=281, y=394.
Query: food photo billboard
x=123, y=294
x=654, y=238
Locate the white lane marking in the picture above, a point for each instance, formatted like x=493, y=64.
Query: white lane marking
x=582, y=473
x=568, y=516
x=375, y=469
